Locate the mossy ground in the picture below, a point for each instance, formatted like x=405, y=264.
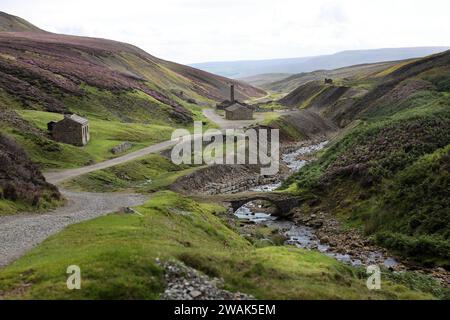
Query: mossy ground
x=117, y=255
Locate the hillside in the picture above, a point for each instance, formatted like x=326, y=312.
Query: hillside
x=242, y=69
x=10, y=23
x=387, y=173
x=22, y=186
x=103, y=80
x=126, y=93
x=358, y=72
x=45, y=68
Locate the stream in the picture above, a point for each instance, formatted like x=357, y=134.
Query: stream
x=302, y=236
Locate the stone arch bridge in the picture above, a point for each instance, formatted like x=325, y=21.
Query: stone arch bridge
x=282, y=201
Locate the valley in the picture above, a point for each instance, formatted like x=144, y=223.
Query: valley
x=363, y=180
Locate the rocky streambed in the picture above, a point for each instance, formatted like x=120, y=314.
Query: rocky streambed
x=317, y=232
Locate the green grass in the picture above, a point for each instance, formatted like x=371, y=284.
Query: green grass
x=128, y=106
x=287, y=130
x=8, y=207
x=270, y=117
x=117, y=253
x=149, y=174
x=104, y=136
x=273, y=106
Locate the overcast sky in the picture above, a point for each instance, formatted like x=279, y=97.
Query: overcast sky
x=190, y=31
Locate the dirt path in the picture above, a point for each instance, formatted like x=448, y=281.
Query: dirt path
x=56, y=177
x=20, y=233
x=59, y=176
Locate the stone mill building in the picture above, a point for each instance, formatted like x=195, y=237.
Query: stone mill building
x=72, y=129
x=235, y=110
x=238, y=112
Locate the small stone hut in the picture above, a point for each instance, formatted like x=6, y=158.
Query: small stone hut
x=238, y=111
x=72, y=129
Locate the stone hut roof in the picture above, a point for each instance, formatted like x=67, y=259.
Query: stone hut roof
x=236, y=106
x=76, y=119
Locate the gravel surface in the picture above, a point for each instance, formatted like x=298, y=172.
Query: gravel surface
x=22, y=232
x=185, y=283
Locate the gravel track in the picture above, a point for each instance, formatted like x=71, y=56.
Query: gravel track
x=20, y=233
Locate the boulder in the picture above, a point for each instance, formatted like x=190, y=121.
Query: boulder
x=123, y=147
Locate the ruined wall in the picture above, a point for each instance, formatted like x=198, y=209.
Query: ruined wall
x=70, y=132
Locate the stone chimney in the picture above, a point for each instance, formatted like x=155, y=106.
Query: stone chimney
x=232, y=93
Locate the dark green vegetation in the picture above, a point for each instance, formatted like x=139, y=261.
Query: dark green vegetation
x=22, y=186
x=117, y=255
x=388, y=174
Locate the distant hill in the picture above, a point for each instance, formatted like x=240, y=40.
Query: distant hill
x=10, y=23
x=260, y=80
x=41, y=69
x=360, y=90
x=358, y=72
x=241, y=69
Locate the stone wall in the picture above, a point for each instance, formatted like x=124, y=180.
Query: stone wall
x=238, y=185
x=220, y=179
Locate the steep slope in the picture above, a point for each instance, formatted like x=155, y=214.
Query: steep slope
x=45, y=70
x=41, y=67
x=22, y=185
x=387, y=174
x=241, y=69
x=9, y=23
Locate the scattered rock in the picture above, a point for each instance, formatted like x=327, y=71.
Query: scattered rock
x=185, y=283
x=125, y=146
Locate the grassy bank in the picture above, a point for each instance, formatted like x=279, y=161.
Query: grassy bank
x=389, y=177
x=117, y=255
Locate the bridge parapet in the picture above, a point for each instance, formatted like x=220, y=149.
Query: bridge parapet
x=284, y=202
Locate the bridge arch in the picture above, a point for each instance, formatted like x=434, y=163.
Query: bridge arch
x=284, y=203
